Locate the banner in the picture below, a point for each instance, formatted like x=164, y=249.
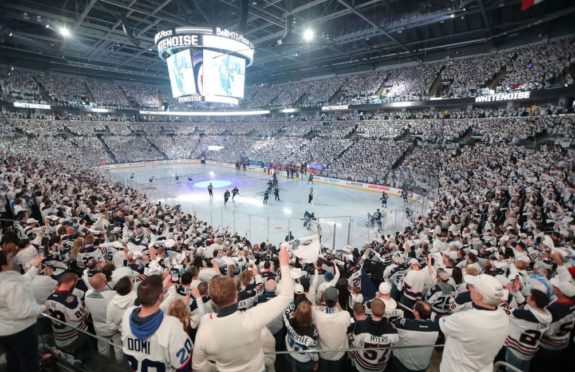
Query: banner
x=306, y=249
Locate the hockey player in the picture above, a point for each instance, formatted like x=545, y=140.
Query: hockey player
x=152, y=339
x=211, y=190
x=373, y=333
x=235, y=192
x=266, y=196
x=277, y=193
x=226, y=197
x=310, y=196
x=404, y=195
x=383, y=199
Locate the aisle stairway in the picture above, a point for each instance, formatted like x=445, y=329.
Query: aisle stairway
x=112, y=156
x=153, y=145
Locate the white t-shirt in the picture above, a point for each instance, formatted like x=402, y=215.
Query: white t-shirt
x=473, y=339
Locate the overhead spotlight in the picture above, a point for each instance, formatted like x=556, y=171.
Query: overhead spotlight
x=10, y=34
x=47, y=26
x=452, y=15
x=308, y=34
x=65, y=32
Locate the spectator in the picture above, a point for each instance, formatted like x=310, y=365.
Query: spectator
x=18, y=316
x=150, y=338
x=376, y=334
x=415, y=332
x=232, y=339
x=301, y=337
x=97, y=300
x=474, y=337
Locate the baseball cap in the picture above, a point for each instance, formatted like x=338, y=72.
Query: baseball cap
x=298, y=289
x=413, y=261
x=488, y=286
x=330, y=294
x=567, y=287
x=384, y=288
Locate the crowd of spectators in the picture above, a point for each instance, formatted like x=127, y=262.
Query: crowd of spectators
x=489, y=265
x=532, y=67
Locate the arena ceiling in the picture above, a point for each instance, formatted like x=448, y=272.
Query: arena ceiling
x=112, y=37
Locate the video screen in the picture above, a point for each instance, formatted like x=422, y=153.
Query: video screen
x=182, y=77
x=223, y=74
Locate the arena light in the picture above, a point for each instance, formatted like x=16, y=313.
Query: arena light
x=289, y=110
x=206, y=113
x=403, y=104
x=65, y=31
x=308, y=34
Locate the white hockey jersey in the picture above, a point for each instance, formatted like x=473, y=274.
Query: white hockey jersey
x=157, y=342
x=66, y=307
x=526, y=327
x=370, y=334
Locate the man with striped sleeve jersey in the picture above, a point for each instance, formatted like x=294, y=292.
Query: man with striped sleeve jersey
x=527, y=325
x=376, y=335
x=553, y=354
x=65, y=306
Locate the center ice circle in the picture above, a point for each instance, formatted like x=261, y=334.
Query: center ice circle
x=215, y=183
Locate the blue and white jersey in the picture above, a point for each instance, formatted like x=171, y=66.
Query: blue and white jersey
x=302, y=340
x=414, y=332
x=439, y=296
x=162, y=347
x=526, y=327
x=371, y=334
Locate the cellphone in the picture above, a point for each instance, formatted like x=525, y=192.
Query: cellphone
x=175, y=276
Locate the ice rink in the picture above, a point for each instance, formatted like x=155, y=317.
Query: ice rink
x=341, y=212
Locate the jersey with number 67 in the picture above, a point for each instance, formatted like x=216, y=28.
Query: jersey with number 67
x=156, y=343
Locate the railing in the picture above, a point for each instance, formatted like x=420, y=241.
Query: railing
x=88, y=358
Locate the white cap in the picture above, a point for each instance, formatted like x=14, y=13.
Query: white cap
x=567, y=287
x=503, y=280
x=488, y=286
x=384, y=288
x=298, y=289
x=413, y=261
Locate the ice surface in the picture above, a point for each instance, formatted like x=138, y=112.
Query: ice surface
x=338, y=208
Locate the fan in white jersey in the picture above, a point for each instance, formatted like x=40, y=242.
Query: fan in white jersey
x=384, y=294
x=151, y=339
x=301, y=336
x=65, y=306
x=527, y=326
x=376, y=335
x=97, y=300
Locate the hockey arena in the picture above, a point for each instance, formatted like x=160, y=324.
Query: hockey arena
x=287, y=185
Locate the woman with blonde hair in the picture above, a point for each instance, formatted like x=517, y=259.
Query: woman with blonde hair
x=179, y=310
x=75, y=252
x=302, y=335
